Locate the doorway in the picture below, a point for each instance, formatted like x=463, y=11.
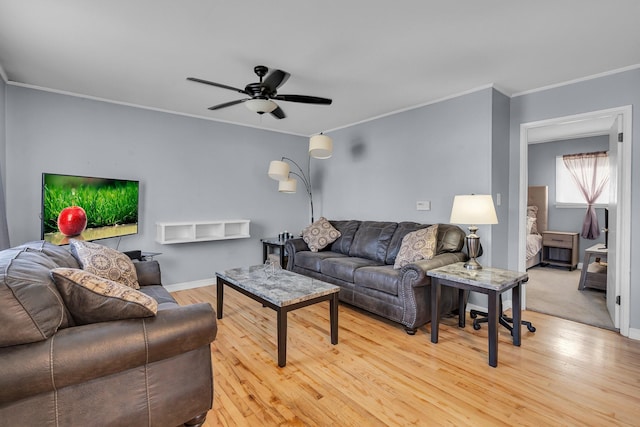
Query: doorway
x=611, y=122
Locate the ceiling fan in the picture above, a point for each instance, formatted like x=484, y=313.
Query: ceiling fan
x=263, y=93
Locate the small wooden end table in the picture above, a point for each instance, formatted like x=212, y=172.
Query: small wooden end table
x=490, y=281
x=274, y=243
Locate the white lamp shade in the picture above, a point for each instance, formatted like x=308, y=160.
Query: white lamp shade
x=279, y=170
x=473, y=209
x=261, y=106
x=288, y=185
x=320, y=146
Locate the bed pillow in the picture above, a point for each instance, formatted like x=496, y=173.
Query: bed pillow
x=105, y=262
x=320, y=234
x=532, y=212
x=91, y=299
x=417, y=245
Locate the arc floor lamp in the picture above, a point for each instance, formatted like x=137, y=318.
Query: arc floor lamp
x=320, y=147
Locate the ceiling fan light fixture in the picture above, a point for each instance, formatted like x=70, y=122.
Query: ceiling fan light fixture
x=261, y=106
x=320, y=146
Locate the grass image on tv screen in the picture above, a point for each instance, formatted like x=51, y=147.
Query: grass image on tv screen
x=114, y=203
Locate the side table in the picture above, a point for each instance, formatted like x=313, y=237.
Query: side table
x=274, y=244
x=597, y=277
x=490, y=281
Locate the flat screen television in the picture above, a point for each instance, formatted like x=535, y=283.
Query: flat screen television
x=87, y=208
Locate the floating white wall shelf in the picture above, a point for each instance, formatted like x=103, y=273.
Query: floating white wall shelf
x=202, y=231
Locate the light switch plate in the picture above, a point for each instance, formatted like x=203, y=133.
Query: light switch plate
x=423, y=205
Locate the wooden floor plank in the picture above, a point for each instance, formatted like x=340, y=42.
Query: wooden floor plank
x=564, y=374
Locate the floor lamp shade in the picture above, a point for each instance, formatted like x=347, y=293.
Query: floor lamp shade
x=279, y=170
x=288, y=185
x=320, y=146
x=473, y=210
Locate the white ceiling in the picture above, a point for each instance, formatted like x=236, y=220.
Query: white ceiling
x=372, y=57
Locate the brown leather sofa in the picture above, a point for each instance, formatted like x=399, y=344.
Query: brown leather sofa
x=361, y=262
x=149, y=371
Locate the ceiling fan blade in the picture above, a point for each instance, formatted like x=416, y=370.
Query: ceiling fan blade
x=274, y=80
x=228, y=104
x=304, y=99
x=207, y=82
x=278, y=113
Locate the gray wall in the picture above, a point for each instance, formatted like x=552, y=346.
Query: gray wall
x=3, y=136
x=610, y=91
x=382, y=167
x=500, y=178
x=190, y=169
x=542, y=171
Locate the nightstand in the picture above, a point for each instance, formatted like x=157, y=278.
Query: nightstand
x=594, y=274
x=560, y=248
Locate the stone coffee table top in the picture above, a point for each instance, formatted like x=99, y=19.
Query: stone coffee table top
x=282, y=287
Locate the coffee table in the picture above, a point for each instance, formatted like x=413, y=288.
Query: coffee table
x=282, y=291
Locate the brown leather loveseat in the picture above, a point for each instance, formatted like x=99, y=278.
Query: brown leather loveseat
x=138, y=371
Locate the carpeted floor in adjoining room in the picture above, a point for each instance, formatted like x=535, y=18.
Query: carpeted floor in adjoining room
x=555, y=291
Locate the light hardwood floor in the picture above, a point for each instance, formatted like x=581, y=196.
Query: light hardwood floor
x=566, y=373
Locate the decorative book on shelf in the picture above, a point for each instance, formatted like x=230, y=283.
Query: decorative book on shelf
x=201, y=231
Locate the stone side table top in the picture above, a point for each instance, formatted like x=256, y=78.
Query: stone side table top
x=487, y=277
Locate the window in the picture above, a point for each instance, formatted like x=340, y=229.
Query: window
x=567, y=191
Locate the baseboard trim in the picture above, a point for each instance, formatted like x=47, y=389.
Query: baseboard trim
x=634, y=333
x=190, y=285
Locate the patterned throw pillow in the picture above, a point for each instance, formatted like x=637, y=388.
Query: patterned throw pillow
x=417, y=245
x=91, y=299
x=320, y=234
x=105, y=262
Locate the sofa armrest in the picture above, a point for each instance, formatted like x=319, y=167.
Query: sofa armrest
x=82, y=353
x=148, y=273
x=421, y=267
x=291, y=247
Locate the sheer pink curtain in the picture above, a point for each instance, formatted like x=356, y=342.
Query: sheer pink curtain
x=590, y=171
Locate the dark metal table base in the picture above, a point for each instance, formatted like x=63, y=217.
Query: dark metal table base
x=282, y=314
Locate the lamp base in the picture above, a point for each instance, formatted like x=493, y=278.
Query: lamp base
x=472, y=264
x=473, y=246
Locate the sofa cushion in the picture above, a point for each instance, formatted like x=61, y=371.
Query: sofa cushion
x=31, y=309
x=417, y=245
x=402, y=230
x=372, y=240
x=344, y=268
x=320, y=234
x=59, y=255
x=105, y=262
x=383, y=278
x=91, y=298
x=313, y=260
x=347, y=230
x=450, y=238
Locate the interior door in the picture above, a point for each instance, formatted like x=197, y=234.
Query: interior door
x=615, y=165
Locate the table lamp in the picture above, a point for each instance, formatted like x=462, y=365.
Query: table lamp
x=474, y=209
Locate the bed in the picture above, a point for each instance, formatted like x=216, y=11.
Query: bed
x=537, y=221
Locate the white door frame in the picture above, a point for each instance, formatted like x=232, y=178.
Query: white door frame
x=623, y=269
